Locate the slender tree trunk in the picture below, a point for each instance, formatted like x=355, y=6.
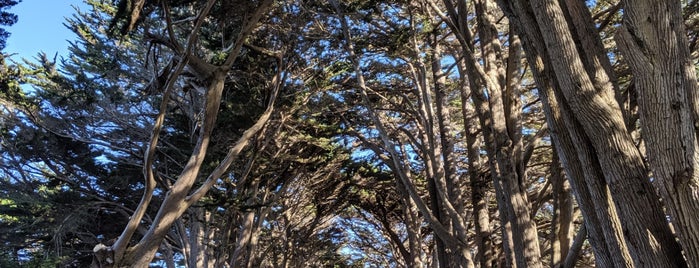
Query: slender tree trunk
x=173, y=206
x=478, y=177
x=196, y=234
x=506, y=131
x=441, y=232
x=178, y=198
x=485, y=121
x=413, y=225
x=446, y=169
x=431, y=151
x=575, y=248
x=503, y=139
x=562, y=218
x=654, y=43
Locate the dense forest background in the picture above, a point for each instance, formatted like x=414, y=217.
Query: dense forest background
x=355, y=133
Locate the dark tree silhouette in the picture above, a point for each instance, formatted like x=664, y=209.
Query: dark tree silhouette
x=6, y=19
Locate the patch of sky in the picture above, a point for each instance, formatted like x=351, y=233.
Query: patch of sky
x=591, y=3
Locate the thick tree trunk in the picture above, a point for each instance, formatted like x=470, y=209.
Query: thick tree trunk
x=654, y=43
x=574, y=150
x=588, y=185
x=507, y=137
x=620, y=161
x=598, y=116
x=500, y=129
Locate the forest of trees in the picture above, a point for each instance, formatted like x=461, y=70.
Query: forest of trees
x=355, y=133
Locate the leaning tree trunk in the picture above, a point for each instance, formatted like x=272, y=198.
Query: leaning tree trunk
x=562, y=218
x=620, y=161
x=595, y=115
x=180, y=196
x=654, y=43
x=574, y=149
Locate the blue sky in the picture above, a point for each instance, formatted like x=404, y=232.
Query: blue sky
x=40, y=28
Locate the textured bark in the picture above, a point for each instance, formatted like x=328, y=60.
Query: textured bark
x=574, y=149
x=593, y=209
x=245, y=234
x=621, y=163
x=198, y=234
x=502, y=135
x=433, y=168
x=654, y=43
x=507, y=136
x=443, y=156
x=483, y=114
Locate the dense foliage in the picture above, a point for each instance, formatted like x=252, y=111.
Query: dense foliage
x=350, y=134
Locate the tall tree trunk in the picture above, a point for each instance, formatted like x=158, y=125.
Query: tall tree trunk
x=506, y=131
x=503, y=138
x=654, y=43
x=600, y=119
x=485, y=121
x=562, y=218
x=587, y=182
x=478, y=177
x=576, y=154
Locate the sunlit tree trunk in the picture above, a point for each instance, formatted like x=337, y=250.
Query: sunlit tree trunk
x=654, y=43
x=573, y=148
x=585, y=178
x=478, y=178
x=179, y=196
x=585, y=89
x=413, y=223
x=502, y=128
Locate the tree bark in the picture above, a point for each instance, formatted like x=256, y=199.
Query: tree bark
x=502, y=135
x=600, y=121
x=562, y=218
x=620, y=161
x=654, y=43
x=178, y=197
x=575, y=152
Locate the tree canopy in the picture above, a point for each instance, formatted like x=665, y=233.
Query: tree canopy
x=523, y=133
